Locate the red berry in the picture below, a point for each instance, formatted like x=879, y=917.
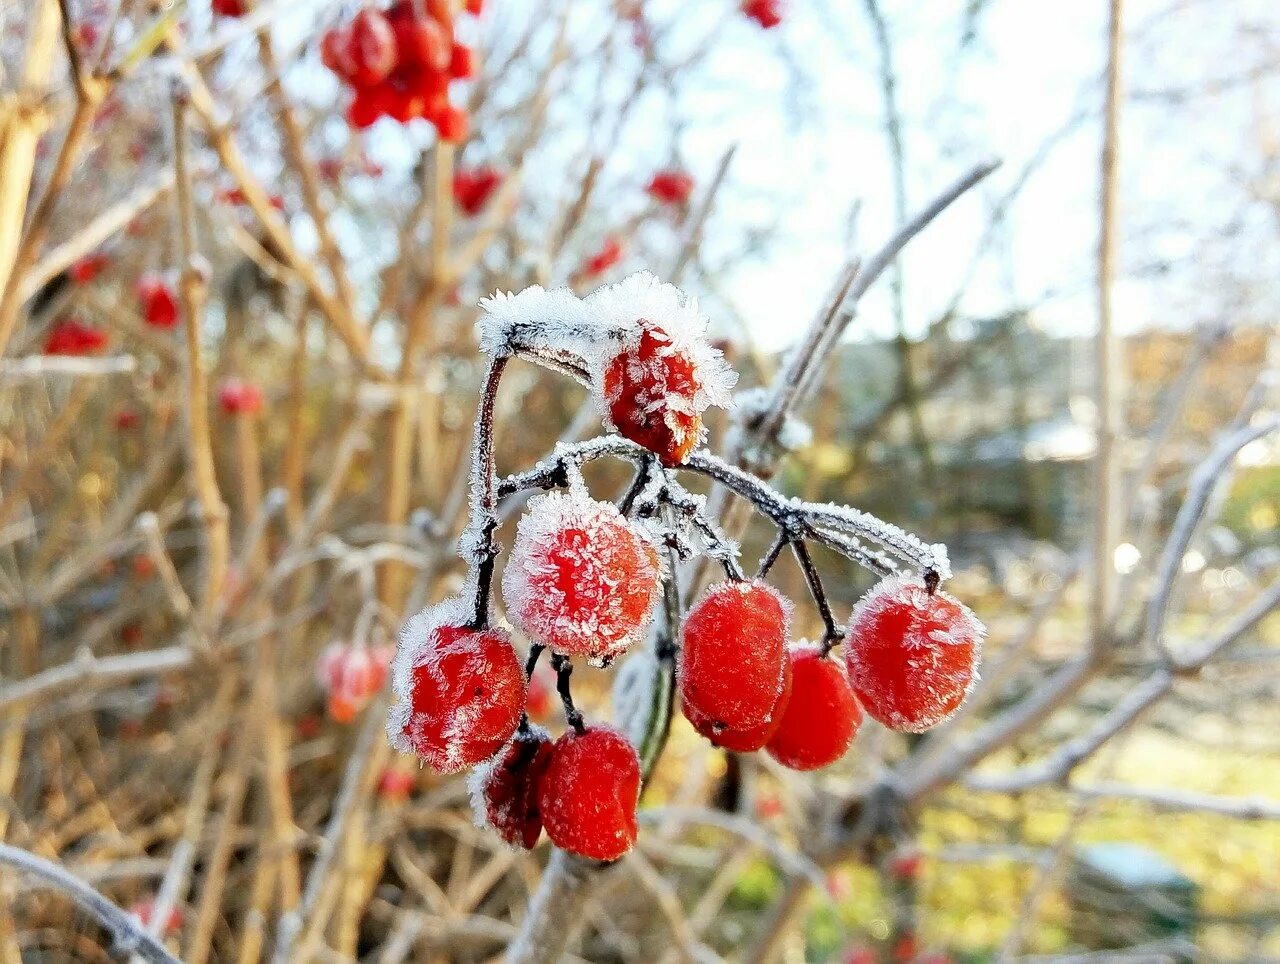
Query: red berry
x=505, y=790
x=335, y=52
x=461, y=690
x=747, y=739
x=73, y=337
x=671, y=186
x=88, y=268
x=474, y=7
x=912, y=656
x=733, y=654
x=351, y=676
x=395, y=785
x=822, y=716
x=127, y=418
x=239, y=397
x=651, y=390
x=610, y=253
x=473, y=188
x=589, y=793
x=581, y=578
x=372, y=46
x=767, y=13
x=542, y=692
x=144, y=910
x=159, y=305
x=453, y=123
x=420, y=41
x=228, y=8
x=462, y=62
x=906, y=864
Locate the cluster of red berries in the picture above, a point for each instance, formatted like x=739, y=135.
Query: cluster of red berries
x=400, y=64
x=910, y=657
x=351, y=676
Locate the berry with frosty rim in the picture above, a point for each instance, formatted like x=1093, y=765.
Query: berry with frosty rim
x=504, y=792
x=589, y=793
x=822, y=716
x=912, y=655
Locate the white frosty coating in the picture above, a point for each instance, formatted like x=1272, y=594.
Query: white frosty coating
x=921, y=656
x=480, y=776
x=865, y=525
x=632, y=694
x=794, y=433
x=536, y=318
x=534, y=604
x=642, y=297
x=416, y=647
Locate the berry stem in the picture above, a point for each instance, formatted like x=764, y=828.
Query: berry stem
x=564, y=669
x=643, y=473
x=771, y=556
x=484, y=507
x=831, y=634
x=530, y=664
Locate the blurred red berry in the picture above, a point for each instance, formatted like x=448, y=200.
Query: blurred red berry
x=330, y=168
x=462, y=694
x=473, y=187
x=733, y=657
x=87, y=268
x=127, y=418
x=351, y=677
x=396, y=785
x=372, y=48
x=768, y=805
x=236, y=396
x=821, y=717
x=912, y=655
x=671, y=186
x=144, y=910
x=462, y=62
x=610, y=254
x=581, y=578
x=905, y=948
x=229, y=8
x=474, y=7
x=505, y=790
x=453, y=123
x=308, y=726
x=745, y=739
x=767, y=13
x=73, y=337
x=906, y=864
x=144, y=567
x=420, y=41
x=158, y=302
x=131, y=634
x=542, y=692
x=651, y=392
x=589, y=792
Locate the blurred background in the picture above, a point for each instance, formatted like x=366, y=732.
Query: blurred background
x=238, y=376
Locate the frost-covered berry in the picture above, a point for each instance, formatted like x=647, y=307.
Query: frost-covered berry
x=504, y=792
x=461, y=690
x=822, y=716
x=589, y=793
x=581, y=579
x=912, y=656
x=733, y=653
x=351, y=676
x=664, y=373
x=158, y=302
x=747, y=739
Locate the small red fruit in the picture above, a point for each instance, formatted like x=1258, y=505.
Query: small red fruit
x=351, y=677
x=504, y=791
x=73, y=337
x=733, y=654
x=462, y=62
x=912, y=656
x=144, y=910
x=88, y=268
x=473, y=188
x=581, y=578
x=127, y=418
x=542, y=692
x=395, y=785
x=651, y=390
x=589, y=792
x=822, y=716
x=420, y=41
x=461, y=691
x=239, y=397
x=767, y=13
x=747, y=739
x=609, y=254
x=372, y=48
x=906, y=864
x=228, y=8
x=159, y=305
x=671, y=186
x=453, y=124
x=474, y=7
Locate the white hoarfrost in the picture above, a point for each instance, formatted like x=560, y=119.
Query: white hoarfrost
x=632, y=694
x=419, y=646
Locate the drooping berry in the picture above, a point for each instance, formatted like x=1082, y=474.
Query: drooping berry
x=73, y=337
x=351, y=676
x=767, y=13
x=461, y=690
x=733, y=655
x=504, y=792
x=581, y=579
x=822, y=716
x=462, y=62
x=473, y=188
x=420, y=40
x=372, y=46
x=589, y=792
x=651, y=392
x=236, y=396
x=747, y=739
x=608, y=254
x=912, y=656
x=671, y=186
x=158, y=302
x=87, y=268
